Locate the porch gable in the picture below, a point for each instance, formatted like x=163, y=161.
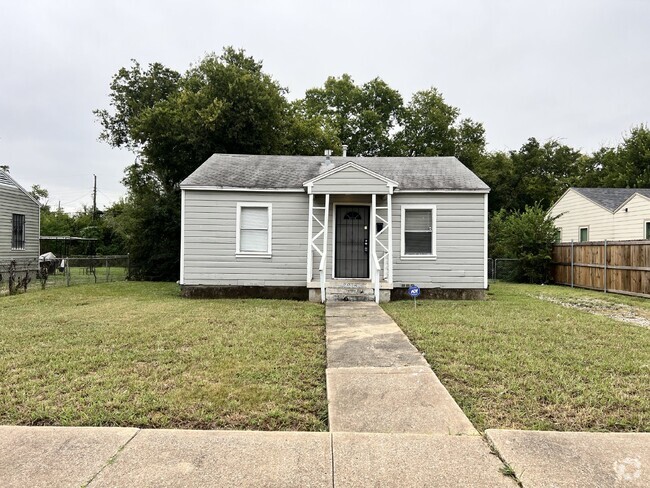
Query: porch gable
x=350, y=178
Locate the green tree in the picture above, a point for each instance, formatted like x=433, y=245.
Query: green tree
x=628, y=165
x=527, y=236
x=174, y=122
x=363, y=117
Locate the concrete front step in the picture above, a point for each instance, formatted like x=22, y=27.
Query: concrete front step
x=350, y=294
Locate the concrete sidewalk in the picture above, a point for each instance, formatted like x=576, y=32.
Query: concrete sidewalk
x=570, y=459
x=109, y=457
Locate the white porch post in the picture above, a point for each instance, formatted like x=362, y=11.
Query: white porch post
x=326, y=222
x=373, y=238
x=310, y=229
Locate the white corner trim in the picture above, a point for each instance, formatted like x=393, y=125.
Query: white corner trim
x=434, y=232
x=268, y=253
x=182, y=276
x=485, y=244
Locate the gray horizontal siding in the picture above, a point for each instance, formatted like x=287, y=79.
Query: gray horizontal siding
x=209, y=235
x=460, y=261
x=350, y=181
x=14, y=201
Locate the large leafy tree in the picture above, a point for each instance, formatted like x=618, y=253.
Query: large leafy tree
x=628, y=165
x=363, y=117
x=173, y=122
x=433, y=128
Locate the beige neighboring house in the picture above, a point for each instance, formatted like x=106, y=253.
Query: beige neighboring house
x=596, y=214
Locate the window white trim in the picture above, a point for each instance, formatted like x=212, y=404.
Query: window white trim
x=580, y=232
x=645, y=229
x=263, y=254
x=418, y=257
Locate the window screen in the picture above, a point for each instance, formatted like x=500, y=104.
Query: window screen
x=254, y=229
x=647, y=230
x=418, y=231
x=17, y=231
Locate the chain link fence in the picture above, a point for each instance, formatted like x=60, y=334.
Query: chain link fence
x=502, y=269
x=21, y=275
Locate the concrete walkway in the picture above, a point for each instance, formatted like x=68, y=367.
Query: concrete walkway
x=377, y=381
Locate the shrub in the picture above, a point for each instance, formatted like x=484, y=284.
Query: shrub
x=527, y=236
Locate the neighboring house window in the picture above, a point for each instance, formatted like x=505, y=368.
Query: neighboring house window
x=584, y=234
x=418, y=231
x=558, y=236
x=17, y=231
x=647, y=229
x=254, y=228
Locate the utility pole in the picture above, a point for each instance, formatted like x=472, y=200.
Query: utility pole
x=95, y=198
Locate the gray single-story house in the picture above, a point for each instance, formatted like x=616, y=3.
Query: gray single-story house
x=328, y=228
x=20, y=224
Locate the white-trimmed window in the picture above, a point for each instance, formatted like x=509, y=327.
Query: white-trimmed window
x=254, y=229
x=418, y=231
x=646, y=234
x=583, y=234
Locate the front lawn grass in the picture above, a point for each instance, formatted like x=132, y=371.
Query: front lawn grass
x=516, y=361
x=136, y=354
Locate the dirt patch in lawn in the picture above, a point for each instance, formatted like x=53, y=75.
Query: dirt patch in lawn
x=616, y=311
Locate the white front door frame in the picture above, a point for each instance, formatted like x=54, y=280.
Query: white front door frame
x=348, y=204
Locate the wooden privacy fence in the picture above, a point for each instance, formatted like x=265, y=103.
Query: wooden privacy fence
x=610, y=266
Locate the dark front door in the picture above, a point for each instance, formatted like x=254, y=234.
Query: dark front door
x=352, y=241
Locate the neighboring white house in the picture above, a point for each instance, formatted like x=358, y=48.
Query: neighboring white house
x=596, y=214
x=19, y=223
x=337, y=228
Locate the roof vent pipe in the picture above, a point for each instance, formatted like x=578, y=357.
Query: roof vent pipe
x=345, y=150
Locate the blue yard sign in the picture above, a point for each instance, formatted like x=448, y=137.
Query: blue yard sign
x=414, y=291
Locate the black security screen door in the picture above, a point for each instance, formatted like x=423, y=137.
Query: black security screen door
x=352, y=241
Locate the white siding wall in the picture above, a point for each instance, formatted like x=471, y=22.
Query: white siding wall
x=577, y=211
x=14, y=201
x=460, y=261
x=209, y=240
x=630, y=225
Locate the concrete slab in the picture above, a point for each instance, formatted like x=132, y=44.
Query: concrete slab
x=392, y=400
x=180, y=458
x=369, y=345
x=57, y=456
x=570, y=459
x=362, y=460
x=352, y=309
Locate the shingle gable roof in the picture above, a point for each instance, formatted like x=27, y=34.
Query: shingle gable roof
x=611, y=198
x=290, y=172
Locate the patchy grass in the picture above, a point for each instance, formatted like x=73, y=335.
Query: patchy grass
x=136, y=354
x=517, y=361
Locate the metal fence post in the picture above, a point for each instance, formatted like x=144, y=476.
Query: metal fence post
x=108, y=270
x=571, y=263
x=128, y=266
x=67, y=272
x=605, y=273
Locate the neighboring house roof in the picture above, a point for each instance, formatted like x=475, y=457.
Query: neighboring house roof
x=611, y=198
x=291, y=172
x=7, y=180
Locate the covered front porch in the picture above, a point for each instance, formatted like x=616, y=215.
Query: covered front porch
x=350, y=251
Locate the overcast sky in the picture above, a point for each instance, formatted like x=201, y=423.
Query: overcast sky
x=578, y=71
